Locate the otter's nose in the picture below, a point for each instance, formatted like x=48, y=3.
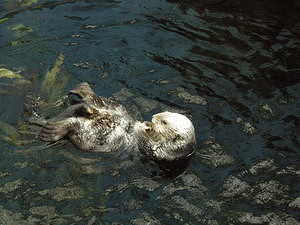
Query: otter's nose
x=148, y=126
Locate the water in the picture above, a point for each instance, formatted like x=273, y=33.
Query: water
x=232, y=66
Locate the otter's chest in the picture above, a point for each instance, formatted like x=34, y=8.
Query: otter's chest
x=103, y=132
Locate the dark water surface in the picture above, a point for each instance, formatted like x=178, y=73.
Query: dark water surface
x=232, y=66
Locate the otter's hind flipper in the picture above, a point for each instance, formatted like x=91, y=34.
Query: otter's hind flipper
x=83, y=91
x=60, y=126
x=87, y=95
x=77, y=110
x=54, y=131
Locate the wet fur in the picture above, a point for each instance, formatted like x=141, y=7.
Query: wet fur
x=97, y=124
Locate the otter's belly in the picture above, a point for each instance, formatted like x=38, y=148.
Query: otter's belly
x=92, y=136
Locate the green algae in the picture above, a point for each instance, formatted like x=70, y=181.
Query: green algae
x=3, y=19
x=51, y=75
x=25, y=3
x=20, y=28
x=11, y=135
x=17, y=79
x=9, y=130
x=5, y=73
x=20, y=31
x=54, y=85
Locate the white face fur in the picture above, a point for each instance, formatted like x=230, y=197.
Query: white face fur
x=170, y=124
x=168, y=136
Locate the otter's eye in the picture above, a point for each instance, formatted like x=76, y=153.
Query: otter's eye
x=164, y=122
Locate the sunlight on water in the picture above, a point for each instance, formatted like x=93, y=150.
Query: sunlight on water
x=231, y=66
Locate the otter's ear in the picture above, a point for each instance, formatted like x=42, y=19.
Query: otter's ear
x=82, y=90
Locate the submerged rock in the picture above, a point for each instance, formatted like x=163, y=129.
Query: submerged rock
x=187, y=195
x=45, y=215
x=270, y=192
x=263, y=167
x=12, y=186
x=89, y=210
x=190, y=183
x=187, y=206
x=80, y=160
x=295, y=204
x=48, y=211
x=146, y=183
x=289, y=170
x=145, y=218
x=119, y=189
x=145, y=105
x=247, y=127
x=213, y=155
x=198, y=214
x=4, y=174
x=63, y=193
x=21, y=165
x=277, y=218
x=132, y=205
x=234, y=187
x=92, y=220
x=186, y=97
x=267, y=112
x=88, y=169
x=160, y=81
x=8, y=217
x=123, y=95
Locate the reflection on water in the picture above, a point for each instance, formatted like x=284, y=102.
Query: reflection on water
x=231, y=66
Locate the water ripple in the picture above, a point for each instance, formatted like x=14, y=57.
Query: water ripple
x=230, y=66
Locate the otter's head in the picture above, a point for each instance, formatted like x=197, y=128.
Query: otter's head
x=169, y=136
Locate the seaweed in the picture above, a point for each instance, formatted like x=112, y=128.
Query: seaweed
x=12, y=135
x=9, y=74
x=53, y=85
x=25, y=3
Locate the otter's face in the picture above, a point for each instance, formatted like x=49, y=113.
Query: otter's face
x=173, y=125
x=170, y=135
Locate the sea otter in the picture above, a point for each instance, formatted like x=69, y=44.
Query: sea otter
x=98, y=124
